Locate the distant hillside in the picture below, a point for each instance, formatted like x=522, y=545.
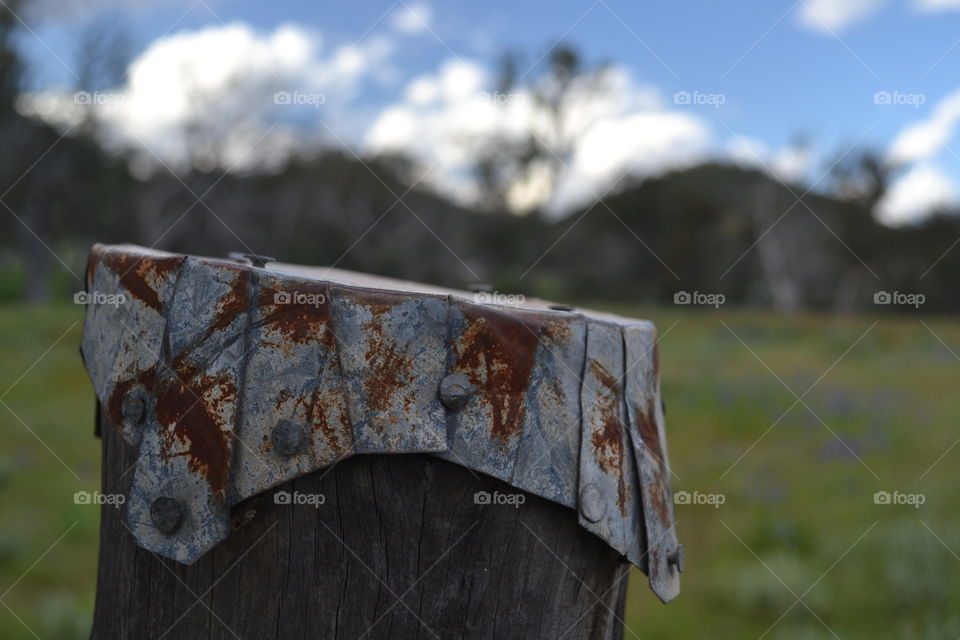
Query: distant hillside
x=712, y=228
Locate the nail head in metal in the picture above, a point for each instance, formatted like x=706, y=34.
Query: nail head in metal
x=592, y=506
x=258, y=261
x=676, y=558
x=455, y=391
x=562, y=307
x=287, y=437
x=167, y=514
x=134, y=406
x=480, y=287
x=253, y=258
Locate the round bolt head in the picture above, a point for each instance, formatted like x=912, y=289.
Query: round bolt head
x=455, y=391
x=592, y=505
x=288, y=437
x=167, y=514
x=134, y=406
x=676, y=558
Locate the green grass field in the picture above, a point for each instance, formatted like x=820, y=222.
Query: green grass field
x=798, y=518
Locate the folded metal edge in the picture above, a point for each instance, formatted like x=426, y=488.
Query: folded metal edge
x=649, y=443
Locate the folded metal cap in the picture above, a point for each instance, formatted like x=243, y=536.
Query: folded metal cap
x=234, y=378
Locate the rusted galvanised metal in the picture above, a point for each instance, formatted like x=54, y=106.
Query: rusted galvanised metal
x=231, y=379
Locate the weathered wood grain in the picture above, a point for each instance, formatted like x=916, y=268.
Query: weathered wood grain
x=399, y=550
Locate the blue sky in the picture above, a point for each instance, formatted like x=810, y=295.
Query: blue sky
x=784, y=70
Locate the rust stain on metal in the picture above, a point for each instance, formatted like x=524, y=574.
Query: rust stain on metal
x=497, y=352
x=650, y=435
x=647, y=426
x=302, y=318
x=387, y=367
x=188, y=406
x=282, y=397
x=141, y=276
x=558, y=331
x=654, y=553
x=608, y=439
x=292, y=320
x=657, y=498
x=318, y=409
x=235, y=302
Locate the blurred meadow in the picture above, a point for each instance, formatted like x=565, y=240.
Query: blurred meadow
x=798, y=518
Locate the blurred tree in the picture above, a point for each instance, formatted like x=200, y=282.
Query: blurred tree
x=858, y=180
x=103, y=54
x=59, y=187
x=522, y=173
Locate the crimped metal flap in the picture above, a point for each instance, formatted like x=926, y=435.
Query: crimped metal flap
x=649, y=442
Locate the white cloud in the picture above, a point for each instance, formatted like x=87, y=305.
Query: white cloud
x=643, y=143
x=412, y=18
x=918, y=192
x=936, y=5
x=747, y=152
x=928, y=137
x=211, y=93
x=790, y=164
x=446, y=117
x=438, y=114
x=834, y=16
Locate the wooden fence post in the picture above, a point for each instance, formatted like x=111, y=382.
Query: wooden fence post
x=398, y=550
